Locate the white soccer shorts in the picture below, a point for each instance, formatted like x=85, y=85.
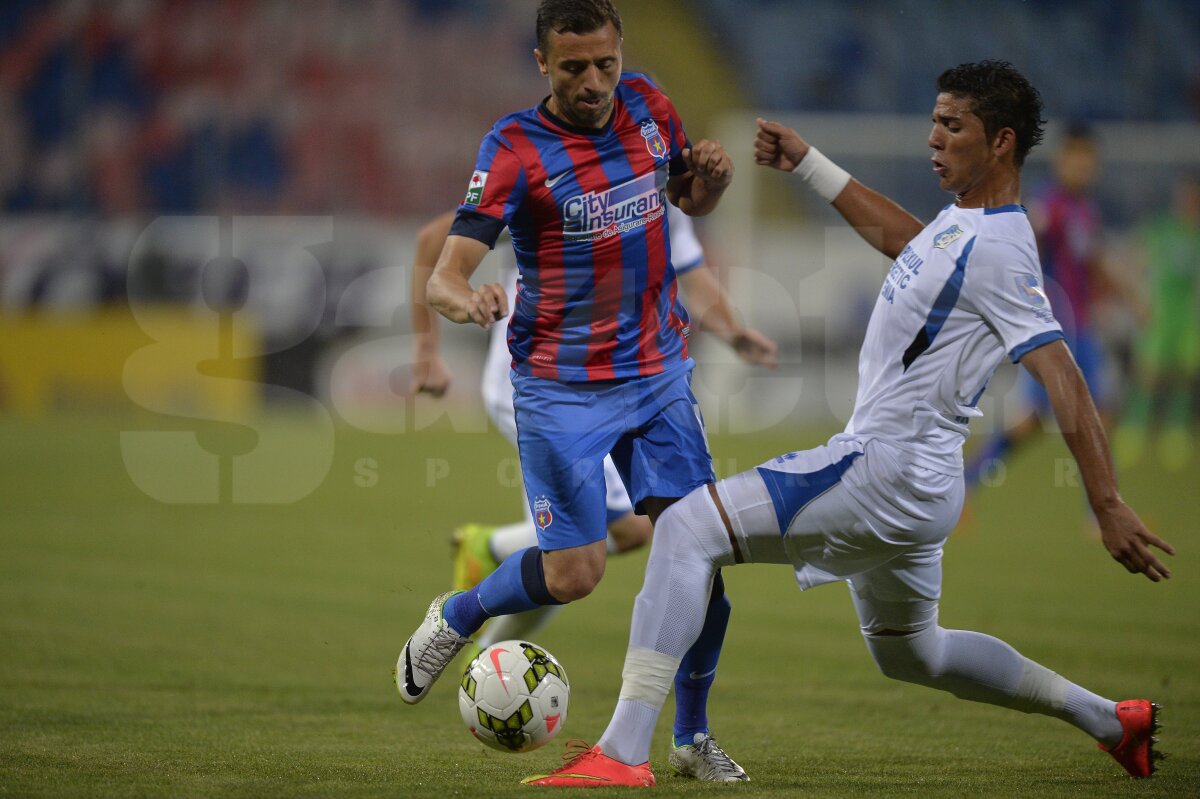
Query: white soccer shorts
x=854, y=510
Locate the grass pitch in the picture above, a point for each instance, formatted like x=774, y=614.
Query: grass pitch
x=230, y=650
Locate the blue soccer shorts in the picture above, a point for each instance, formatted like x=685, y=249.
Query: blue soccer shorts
x=651, y=425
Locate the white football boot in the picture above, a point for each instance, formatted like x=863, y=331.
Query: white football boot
x=706, y=761
x=427, y=654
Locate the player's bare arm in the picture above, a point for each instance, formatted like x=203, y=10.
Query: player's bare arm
x=430, y=373
x=881, y=222
x=712, y=311
x=1123, y=533
x=710, y=171
x=450, y=292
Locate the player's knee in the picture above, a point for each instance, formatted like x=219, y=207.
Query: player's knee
x=672, y=521
x=569, y=582
x=908, y=656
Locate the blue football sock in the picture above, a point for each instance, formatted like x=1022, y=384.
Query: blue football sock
x=464, y=613
x=698, y=668
x=517, y=585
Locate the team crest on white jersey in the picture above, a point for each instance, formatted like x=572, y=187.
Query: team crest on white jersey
x=542, y=513
x=654, y=140
x=475, y=188
x=947, y=237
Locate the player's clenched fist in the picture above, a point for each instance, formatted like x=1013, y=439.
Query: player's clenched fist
x=778, y=146
x=487, y=304
x=708, y=161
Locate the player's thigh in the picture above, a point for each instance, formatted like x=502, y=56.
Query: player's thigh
x=746, y=507
x=665, y=453
x=900, y=595
x=562, y=439
x=783, y=508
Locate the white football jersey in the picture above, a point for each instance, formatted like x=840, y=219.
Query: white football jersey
x=965, y=293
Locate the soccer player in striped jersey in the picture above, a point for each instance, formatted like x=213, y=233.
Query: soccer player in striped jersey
x=478, y=548
x=599, y=351
x=874, y=506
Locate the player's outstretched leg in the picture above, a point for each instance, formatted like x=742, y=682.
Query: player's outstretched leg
x=981, y=668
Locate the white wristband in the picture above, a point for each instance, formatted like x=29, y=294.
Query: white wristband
x=826, y=178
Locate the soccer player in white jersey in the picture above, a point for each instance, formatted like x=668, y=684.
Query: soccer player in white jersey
x=478, y=549
x=874, y=506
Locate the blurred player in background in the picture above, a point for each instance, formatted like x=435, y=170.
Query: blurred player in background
x=874, y=506
x=599, y=352
x=1168, y=354
x=1070, y=238
x=479, y=549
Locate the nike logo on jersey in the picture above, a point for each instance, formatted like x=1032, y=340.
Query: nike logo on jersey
x=410, y=685
x=552, y=182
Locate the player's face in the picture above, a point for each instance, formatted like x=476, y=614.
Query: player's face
x=963, y=158
x=584, y=70
x=1076, y=165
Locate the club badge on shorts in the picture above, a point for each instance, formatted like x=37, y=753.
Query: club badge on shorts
x=541, y=513
x=654, y=140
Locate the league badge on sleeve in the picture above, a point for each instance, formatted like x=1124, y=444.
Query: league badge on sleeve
x=654, y=140
x=475, y=188
x=947, y=237
x=1031, y=291
x=541, y=513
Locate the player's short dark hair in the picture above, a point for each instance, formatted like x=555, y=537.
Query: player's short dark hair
x=574, y=16
x=1002, y=97
x=1080, y=130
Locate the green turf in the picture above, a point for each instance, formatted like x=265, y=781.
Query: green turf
x=233, y=650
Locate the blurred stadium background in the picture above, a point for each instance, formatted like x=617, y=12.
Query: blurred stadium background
x=208, y=210
x=133, y=132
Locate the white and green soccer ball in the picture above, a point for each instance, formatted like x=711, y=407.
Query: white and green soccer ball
x=513, y=696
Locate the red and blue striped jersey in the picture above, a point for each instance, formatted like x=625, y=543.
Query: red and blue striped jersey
x=1071, y=239
x=586, y=209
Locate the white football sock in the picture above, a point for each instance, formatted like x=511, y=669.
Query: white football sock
x=511, y=538
x=645, y=681
x=1094, y=714
x=636, y=721
x=981, y=668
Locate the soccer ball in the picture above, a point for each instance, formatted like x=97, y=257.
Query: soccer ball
x=513, y=696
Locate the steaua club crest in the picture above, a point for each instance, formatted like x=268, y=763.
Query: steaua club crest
x=542, y=514
x=654, y=140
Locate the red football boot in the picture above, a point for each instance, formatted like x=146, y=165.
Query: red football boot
x=1135, y=752
x=589, y=767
